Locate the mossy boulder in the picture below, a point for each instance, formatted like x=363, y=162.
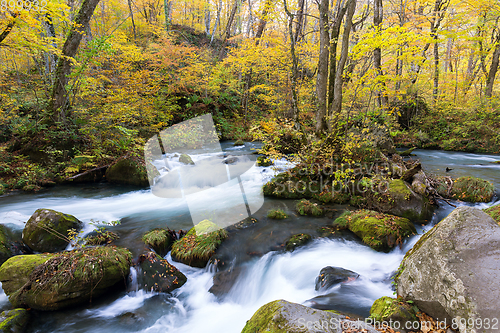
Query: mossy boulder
x=387, y=309
x=58, y=281
x=305, y=207
x=239, y=143
x=186, y=159
x=472, y=189
x=7, y=246
x=128, y=171
x=264, y=161
x=199, y=244
x=286, y=317
x=276, y=214
x=14, y=321
x=331, y=276
x=494, y=212
x=452, y=271
x=157, y=274
x=160, y=240
x=290, y=185
x=395, y=196
x=297, y=240
x=379, y=231
x=47, y=230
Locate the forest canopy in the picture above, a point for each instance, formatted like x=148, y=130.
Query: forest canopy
x=85, y=82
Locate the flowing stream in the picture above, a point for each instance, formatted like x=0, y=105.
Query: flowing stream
x=266, y=272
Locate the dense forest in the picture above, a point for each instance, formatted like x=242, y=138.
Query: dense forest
x=85, y=82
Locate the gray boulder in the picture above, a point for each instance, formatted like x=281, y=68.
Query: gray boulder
x=282, y=316
x=453, y=271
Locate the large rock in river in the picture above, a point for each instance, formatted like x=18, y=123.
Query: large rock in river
x=379, y=231
x=129, y=171
x=199, y=244
x=157, y=274
x=286, y=317
x=57, y=281
x=47, y=230
x=453, y=271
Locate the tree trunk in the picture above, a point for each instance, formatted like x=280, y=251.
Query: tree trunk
x=488, y=91
x=217, y=21
x=378, y=14
x=207, y=19
x=227, y=34
x=9, y=27
x=300, y=21
x=336, y=106
x=50, y=58
x=322, y=76
x=59, y=99
x=168, y=13
x=258, y=36
x=340, y=10
x=295, y=69
x=435, y=90
x=132, y=17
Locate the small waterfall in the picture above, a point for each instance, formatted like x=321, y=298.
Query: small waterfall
x=132, y=284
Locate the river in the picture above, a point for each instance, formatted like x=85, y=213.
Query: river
x=267, y=273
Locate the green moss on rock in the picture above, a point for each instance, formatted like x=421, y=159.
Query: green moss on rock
x=277, y=214
x=379, y=231
x=47, y=230
x=239, y=143
x=186, y=159
x=494, y=212
x=160, y=240
x=129, y=171
x=305, y=207
x=14, y=321
x=57, y=281
x=263, y=320
x=472, y=189
x=5, y=244
x=297, y=240
x=393, y=310
x=199, y=244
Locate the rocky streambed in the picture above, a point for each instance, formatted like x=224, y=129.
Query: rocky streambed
x=150, y=274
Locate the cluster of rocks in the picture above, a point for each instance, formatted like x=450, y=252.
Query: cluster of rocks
x=37, y=273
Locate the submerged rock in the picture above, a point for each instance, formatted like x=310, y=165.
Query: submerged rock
x=57, y=281
x=379, y=231
x=129, y=171
x=286, y=317
x=160, y=240
x=472, y=189
x=199, y=244
x=158, y=274
x=14, y=321
x=47, y=230
x=330, y=276
x=452, y=271
x=387, y=309
x=223, y=281
x=297, y=240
